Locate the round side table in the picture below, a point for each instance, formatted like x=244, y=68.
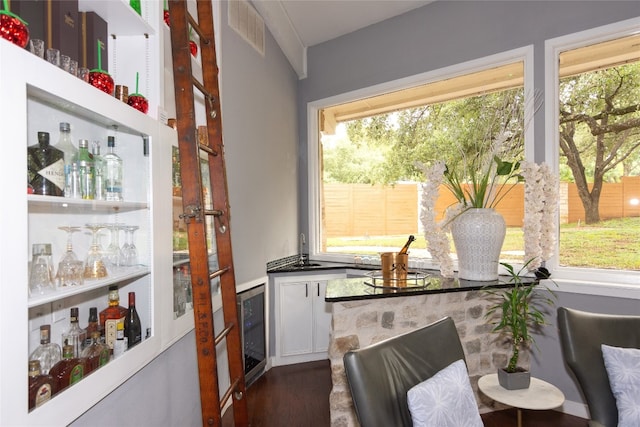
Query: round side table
x=539, y=396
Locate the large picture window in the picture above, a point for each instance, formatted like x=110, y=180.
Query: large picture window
x=364, y=182
x=594, y=126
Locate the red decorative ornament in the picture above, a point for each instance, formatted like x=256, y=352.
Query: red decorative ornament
x=166, y=18
x=193, y=47
x=139, y=102
x=14, y=29
x=101, y=80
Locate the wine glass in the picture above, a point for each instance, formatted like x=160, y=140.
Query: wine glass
x=114, y=254
x=130, y=250
x=69, y=255
x=94, y=267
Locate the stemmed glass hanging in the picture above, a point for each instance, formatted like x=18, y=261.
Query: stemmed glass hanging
x=130, y=251
x=94, y=265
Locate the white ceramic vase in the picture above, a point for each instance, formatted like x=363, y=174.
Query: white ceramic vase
x=478, y=235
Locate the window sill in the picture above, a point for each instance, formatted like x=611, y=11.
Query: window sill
x=605, y=289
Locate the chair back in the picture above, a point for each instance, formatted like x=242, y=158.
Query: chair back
x=380, y=375
x=581, y=336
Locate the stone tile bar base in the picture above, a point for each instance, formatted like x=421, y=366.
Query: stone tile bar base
x=361, y=323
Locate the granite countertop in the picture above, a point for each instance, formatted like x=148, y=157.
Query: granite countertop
x=419, y=283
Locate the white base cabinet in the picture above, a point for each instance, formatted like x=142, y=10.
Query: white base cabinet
x=303, y=318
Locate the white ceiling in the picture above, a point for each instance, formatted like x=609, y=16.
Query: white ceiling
x=298, y=24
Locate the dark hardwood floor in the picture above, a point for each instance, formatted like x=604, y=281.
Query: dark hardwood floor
x=298, y=396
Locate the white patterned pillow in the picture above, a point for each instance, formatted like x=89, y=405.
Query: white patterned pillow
x=623, y=369
x=445, y=400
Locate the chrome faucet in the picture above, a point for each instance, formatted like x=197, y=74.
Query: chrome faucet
x=303, y=242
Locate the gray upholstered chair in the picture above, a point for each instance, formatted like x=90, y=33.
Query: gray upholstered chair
x=581, y=335
x=380, y=375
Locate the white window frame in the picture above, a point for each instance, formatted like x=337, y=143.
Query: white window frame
x=523, y=54
x=571, y=278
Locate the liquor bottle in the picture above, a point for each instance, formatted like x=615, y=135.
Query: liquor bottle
x=45, y=167
x=96, y=353
x=113, y=172
x=405, y=248
x=41, y=387
x=111, y=316
x=120, y=345
x=132, y=326
x=99, y=167
x=75, y=336
x=69, y=370
x=93, y=325
x=47, y=353
x=86, y=170
x=65, y=145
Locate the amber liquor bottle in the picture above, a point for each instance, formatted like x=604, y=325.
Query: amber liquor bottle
x=92, y=326
x=41, y=387
x=69, y=370
x=96, y=353
x=111, y=316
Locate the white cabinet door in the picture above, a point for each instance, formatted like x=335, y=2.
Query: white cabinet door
x=321, y=317
x=303, y=318
x=296, y=319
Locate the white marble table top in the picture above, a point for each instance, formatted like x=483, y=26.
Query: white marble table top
x=540, y=395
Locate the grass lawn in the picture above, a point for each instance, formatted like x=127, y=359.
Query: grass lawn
x=613, y=244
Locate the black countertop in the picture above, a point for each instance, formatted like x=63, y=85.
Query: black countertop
x=429, y=282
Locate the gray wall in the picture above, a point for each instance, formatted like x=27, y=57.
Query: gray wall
x=446, y=33
x=258, y=97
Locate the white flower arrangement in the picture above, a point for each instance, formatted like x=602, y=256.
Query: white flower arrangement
x=541, y=205
x=541, y=202
x=435, y=233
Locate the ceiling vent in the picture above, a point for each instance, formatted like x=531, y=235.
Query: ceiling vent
x=244, y=19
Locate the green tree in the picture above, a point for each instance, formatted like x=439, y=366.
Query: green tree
x=600, y=129
x=451, y=131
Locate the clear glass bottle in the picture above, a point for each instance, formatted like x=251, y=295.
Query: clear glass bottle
x=113, y=172
x=86, y=170
x=111, y=316
x=96, y=353
x=75, y=336
x=41, y=387
x=47, y=353
x=65, y=145
x=99, y=166
x=45, y=167
x=132, y=326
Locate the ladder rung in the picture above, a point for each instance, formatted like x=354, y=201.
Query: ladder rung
x=202, y=89
x=208, y=149
x=197, y=29
x=218, y=273
x=230, y=390
x=222, y=335
x=214, y=212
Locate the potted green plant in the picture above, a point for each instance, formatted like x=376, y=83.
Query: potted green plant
x=517, y=313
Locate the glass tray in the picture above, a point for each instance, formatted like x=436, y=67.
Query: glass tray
x=414, y=279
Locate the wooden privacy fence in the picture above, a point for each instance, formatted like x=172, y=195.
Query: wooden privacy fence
x=355, y=210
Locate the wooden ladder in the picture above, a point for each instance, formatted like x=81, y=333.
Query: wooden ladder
x=202, y=211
